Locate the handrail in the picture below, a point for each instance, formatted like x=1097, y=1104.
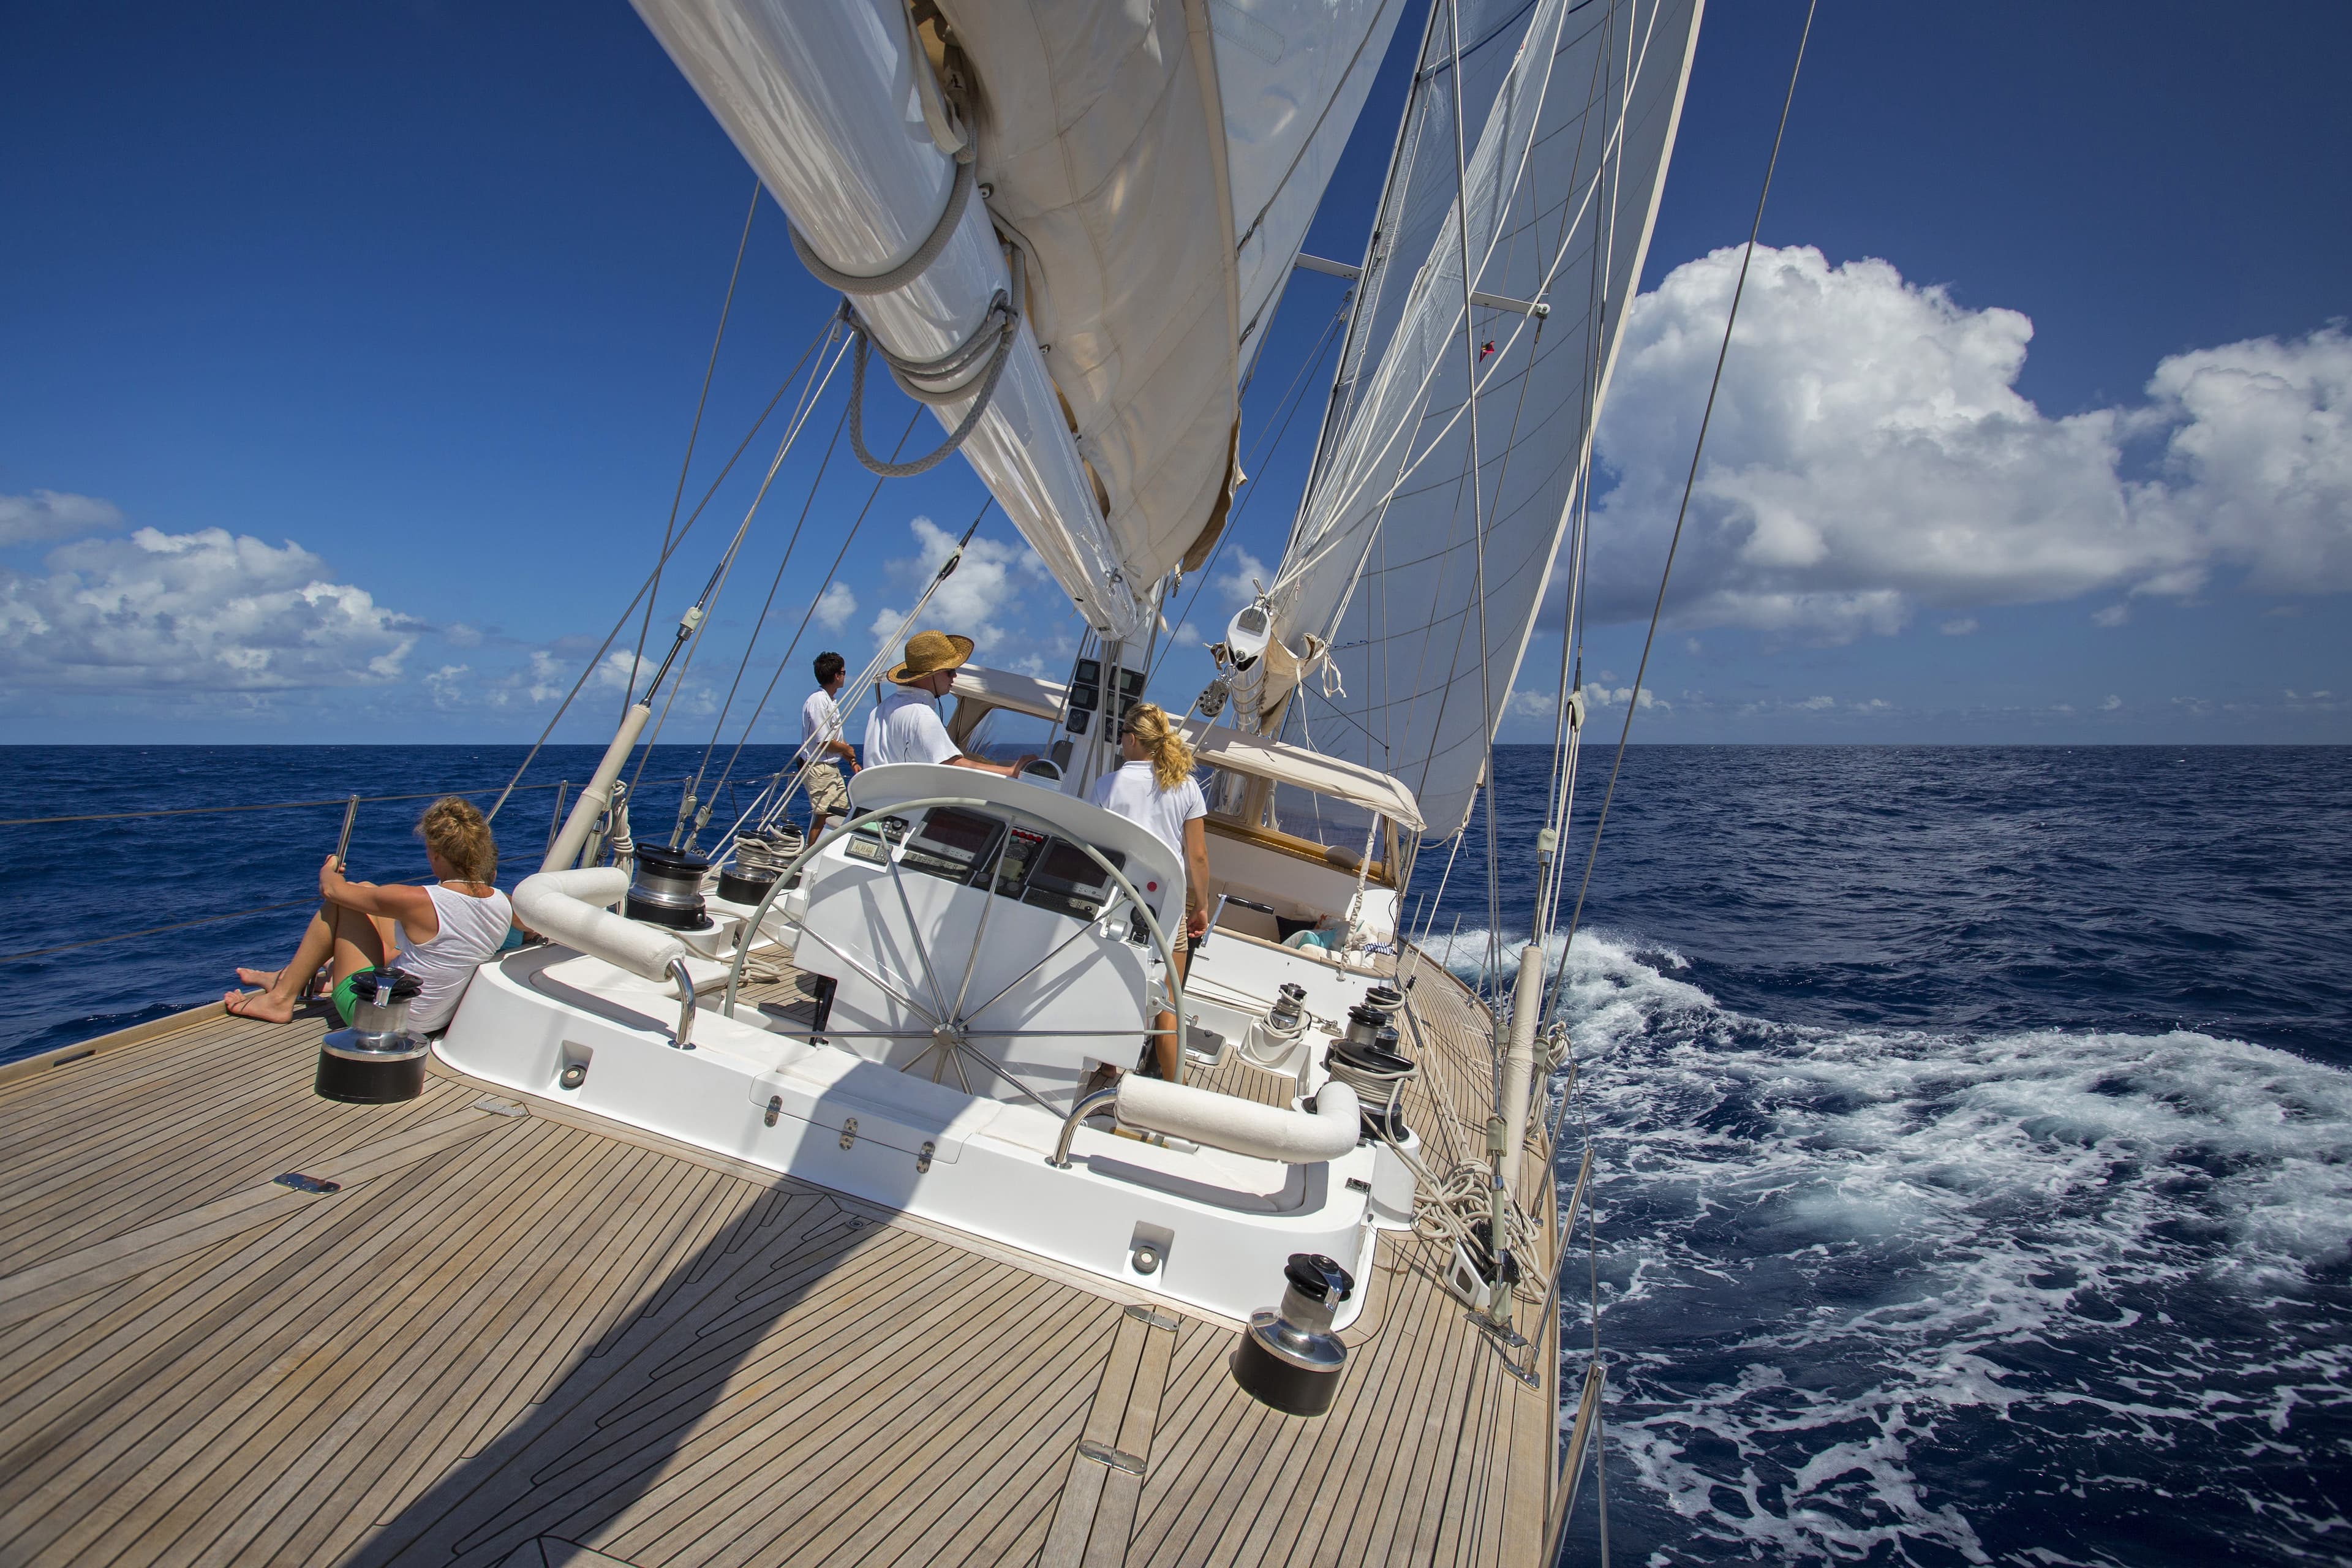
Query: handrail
x=1087, y=1106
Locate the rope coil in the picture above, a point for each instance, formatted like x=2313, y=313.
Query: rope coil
x=915, y=265
x=1002, y=320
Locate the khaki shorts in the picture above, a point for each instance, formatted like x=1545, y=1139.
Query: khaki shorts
x=826, y=791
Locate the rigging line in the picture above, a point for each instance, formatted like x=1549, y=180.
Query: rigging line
x=774, y=582
x=1559, y=792
x=1322, y=345
x=652, y=577
x=267, y=805
x=726, y=567
x=871, y=676
x=1510, y=446
x=1478, y=499
x=1412, y=462
x=839, y=555
x=313, y=901
x=1633, y=697
x=687, y=462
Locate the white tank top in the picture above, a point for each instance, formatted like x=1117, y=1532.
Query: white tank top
x=471, y=930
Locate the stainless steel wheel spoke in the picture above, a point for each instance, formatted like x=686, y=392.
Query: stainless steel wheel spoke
x=980, y=933
x=851, y=959
x=915, y=934
x=1001, y=1071
x=1056, y=953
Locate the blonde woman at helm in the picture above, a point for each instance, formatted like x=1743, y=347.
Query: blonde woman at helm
x=1155, y=789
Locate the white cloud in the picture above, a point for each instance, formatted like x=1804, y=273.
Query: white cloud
x=620, y=672
x=1597, y=695
x=1529, y=705
x=835, y=606
x=2111, y=704
x=1959, y=628
x=207, y=611
x=2111, y=616
x=54, y=514
x=1239, y=583
x=966, y=603
x=1870, y=455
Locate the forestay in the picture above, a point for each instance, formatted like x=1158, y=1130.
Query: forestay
x=1570, y=108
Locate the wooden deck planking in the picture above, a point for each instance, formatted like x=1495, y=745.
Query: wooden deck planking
x=548, y=1329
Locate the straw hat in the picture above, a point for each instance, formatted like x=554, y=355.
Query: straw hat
x=928, y=653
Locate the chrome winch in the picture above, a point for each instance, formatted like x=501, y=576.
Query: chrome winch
x=1289, y=1358
x=666, y=889
x=377, y=1060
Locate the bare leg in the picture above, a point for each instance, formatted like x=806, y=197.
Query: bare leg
x=1168, y=1045
x=354, y=941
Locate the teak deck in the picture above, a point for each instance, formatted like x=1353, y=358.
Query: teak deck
x=519, y=1335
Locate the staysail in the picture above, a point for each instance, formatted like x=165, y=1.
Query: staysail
x=1570, y=110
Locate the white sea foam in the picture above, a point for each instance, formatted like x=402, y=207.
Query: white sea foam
x=1844, y=1267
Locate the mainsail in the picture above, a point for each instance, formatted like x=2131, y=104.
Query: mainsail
x=1144, y=174
x=1570, y=110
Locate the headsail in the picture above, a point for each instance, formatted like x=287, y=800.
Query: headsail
x=1571, y=109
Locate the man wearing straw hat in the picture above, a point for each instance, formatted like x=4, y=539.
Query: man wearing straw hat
x=905, y=726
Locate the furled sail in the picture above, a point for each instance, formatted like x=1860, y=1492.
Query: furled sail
x=1152, y=168
x=1570, y=110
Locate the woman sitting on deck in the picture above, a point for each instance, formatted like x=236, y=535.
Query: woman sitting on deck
x=440, y=934
x=1156, y=790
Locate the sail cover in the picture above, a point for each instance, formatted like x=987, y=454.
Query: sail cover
x=1570, y=110
x=1157, y=166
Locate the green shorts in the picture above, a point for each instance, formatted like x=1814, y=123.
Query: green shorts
x=341, y=996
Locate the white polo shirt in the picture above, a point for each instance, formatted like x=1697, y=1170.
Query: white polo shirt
x=906, y=727
x=1133, y=793
x=820, y=722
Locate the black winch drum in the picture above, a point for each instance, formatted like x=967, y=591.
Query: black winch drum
x=667, y=889
x=1289, y=1359
x=738, y=886
x=377, y=1061
x=1376, y=1072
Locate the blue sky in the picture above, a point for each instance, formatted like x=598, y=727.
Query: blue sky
x=347, y=356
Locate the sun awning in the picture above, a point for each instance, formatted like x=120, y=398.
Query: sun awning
x=1003, y=689
x=1229, y=749
x=1239, y=753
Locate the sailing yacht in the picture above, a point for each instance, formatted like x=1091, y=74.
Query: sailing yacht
x=799, y=1201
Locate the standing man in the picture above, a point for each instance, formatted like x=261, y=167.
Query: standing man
x=905, y=726
x=820, y=742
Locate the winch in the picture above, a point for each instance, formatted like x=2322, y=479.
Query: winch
x=1366, y=1059
x=1289, y=1358
x=666, y=889
x=377, y=1060
x=759, y=860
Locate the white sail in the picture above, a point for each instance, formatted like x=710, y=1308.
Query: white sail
x=1157, y=166
x=1152, y=168
x=1571, y=111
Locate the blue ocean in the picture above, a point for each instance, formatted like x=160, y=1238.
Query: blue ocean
x=1975, y=1125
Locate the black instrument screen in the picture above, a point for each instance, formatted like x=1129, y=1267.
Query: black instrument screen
x=1067, y=880
x=956, y=844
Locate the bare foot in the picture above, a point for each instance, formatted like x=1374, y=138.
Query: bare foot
x=265, y=978
x=257, y=1004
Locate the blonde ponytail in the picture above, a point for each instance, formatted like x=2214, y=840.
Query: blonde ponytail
x=1171, y=759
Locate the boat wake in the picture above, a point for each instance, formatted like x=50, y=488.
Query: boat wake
x=1910, y=1297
